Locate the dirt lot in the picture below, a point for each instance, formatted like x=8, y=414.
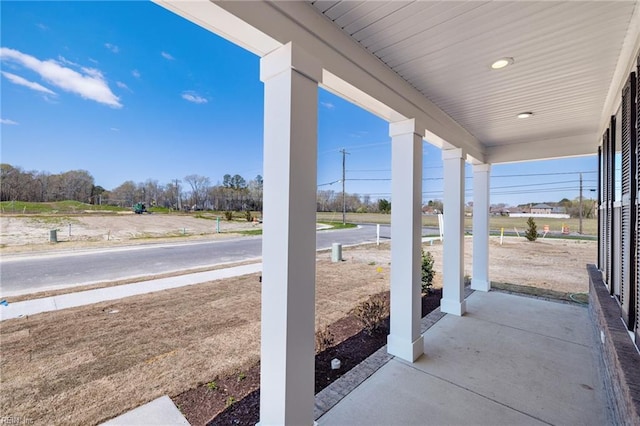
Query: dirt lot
x=31, y=232
x=546, y=263
x=88, y=364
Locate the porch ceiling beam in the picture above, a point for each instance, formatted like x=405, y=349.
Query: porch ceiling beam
x=353, y=72
x=571, y=146
x=228, y=26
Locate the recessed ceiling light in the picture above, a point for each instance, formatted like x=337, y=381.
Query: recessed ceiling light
x=525, y=114
x=501, y=63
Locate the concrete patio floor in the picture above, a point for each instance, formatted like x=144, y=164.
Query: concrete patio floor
x=510, y=360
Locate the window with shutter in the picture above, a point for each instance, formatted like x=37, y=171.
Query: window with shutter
x=636, y=195
x=601, y=228
x=606, y=214
x=611, y=196
x=628, y=278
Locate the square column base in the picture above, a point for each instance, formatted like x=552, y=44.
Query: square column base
x=480, y=285
x=453, y=307
x=405, y=349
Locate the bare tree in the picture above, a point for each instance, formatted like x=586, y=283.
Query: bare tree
x=124, y=195
x=17, y=184
x=170, y=194
x=255, y=188
x=325, y=198
x=199, y=189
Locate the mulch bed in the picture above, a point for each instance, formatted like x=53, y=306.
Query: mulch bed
x=235, y=399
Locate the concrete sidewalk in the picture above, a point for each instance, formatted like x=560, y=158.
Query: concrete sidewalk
x=509, y=360
x=81, y=298
x=160, y=411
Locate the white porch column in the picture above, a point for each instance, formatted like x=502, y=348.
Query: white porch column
x=404, y=340
x=480, y=280
x=290, y=79
x=453, y=251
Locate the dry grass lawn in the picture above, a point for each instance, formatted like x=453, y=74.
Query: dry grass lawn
x=85, y=365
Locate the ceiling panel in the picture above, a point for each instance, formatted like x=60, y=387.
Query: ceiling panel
x=565, y=54
x=376, y=12
x=323, y=5
x=341, y=8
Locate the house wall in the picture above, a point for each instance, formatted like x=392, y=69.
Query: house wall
x=547, y=216
x=540, y=211
x=617, y=355
x=615, y=289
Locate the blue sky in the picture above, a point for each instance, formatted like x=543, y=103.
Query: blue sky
x=130, y=91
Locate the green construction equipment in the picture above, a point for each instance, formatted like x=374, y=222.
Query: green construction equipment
x=139, y=208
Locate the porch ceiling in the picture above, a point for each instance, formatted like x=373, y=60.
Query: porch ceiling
x=431, y=60
x=565, y=59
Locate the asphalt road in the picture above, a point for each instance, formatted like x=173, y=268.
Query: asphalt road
x=30, y=273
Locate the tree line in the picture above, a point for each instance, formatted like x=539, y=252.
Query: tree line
x=193, y=192
x=19, y=185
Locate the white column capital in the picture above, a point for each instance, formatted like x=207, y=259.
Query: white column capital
x=290, y=57
x=453, y=154
x=404, y=127
x=480, y=168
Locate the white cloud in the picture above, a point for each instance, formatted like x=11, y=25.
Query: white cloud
x=122, y=85
x=89, y=84
x=114, y=129
x=49, y=100
x=135, y=73
x=194, y=97
x=167, y=56
x=16, y=79
x=112, y=47
x=7, y=121
x=328, y=105
x=93, y=72
x=43, y=27
x=66, y=61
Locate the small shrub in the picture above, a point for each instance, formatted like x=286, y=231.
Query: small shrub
x=532, y=231
x=230, y=401
x=372, y=313
x=427, y=271
x=212, y=385
x=324, y=339
x=241, y=377
x=228, y=215
x=247, y=215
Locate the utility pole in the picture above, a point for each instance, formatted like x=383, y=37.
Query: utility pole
x=344, y=197
x=178, y=196
x=580, y=231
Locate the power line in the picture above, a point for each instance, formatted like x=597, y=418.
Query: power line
x=329, y=183
x=541, y=174
x=388, y=170
x=355, y=147
x=469, y=193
